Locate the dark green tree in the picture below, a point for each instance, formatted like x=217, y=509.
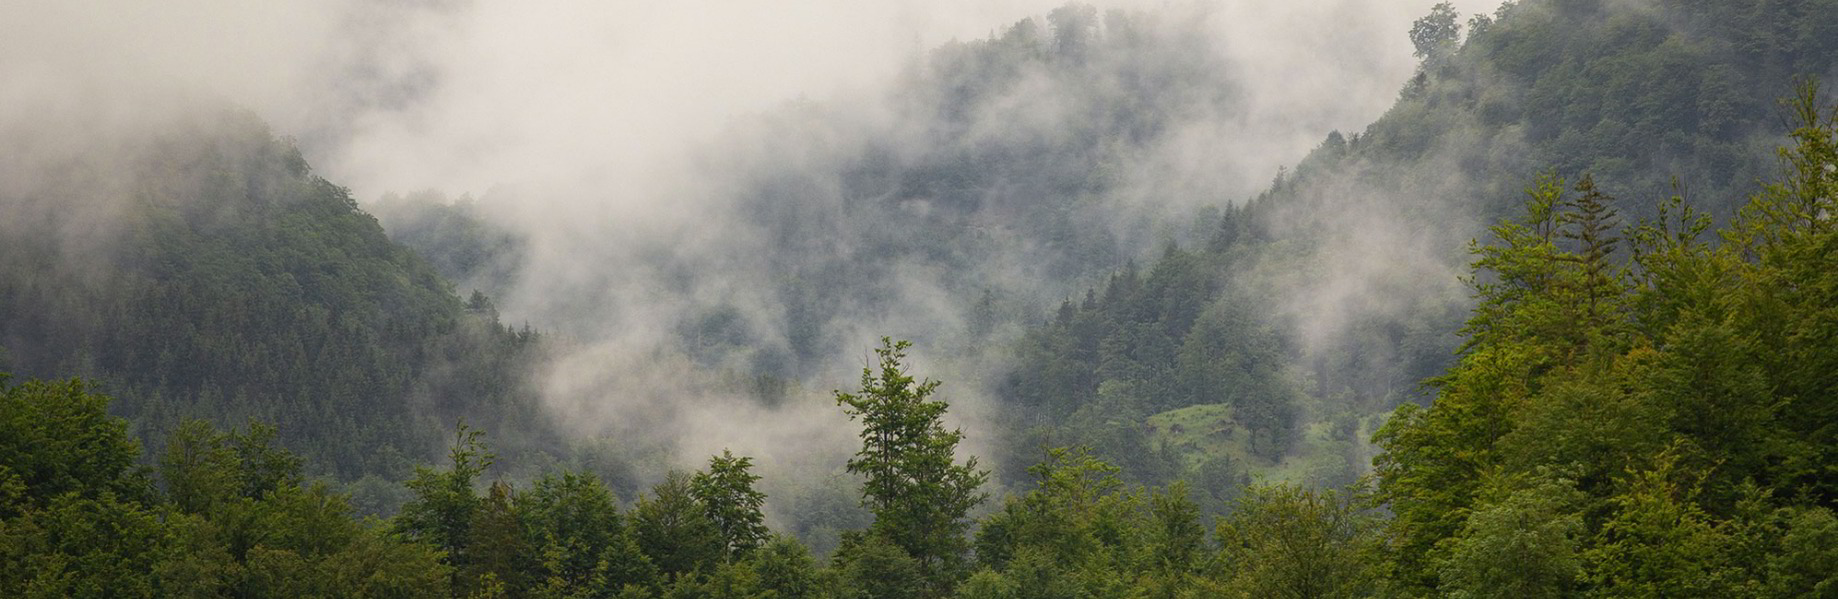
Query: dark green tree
x=203, y=468
x=57, y=437
x=1522, y=546
x=497, y=553
x=199, y=470
x=580, y=538
x=1176, y=538
x=1076, y=506
x=92, y=545
x=785, y=567
x=868, y=566
x=445, y=503
x=674, y=531
x=1643, y=430
x=1591, y=223
x=238, y=520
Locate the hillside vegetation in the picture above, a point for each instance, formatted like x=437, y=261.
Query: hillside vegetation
x=1321, y=304
x=224, y=281
x=1563, y=322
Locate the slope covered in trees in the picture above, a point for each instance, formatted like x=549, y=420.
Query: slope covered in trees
x=1640, y=411
x=203, y=271
x=993, y=175
x=1325, y=300
x=1656, y=421
x=1635, y=414
x=457, y=240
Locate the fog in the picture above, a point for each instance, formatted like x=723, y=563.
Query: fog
x=634, y=146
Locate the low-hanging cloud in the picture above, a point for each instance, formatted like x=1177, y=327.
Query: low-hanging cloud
x=622, y=140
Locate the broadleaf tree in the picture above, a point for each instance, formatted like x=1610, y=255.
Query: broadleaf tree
x=727, y=495
x=919, y=492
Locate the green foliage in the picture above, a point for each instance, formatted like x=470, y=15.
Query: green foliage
x=58, y=438
x=446, y=503
x=77, y=546
x=1641, y=412
x=203, y=469
x=1658, y=542
x=237, y=518
x=1640, y=96
x=727, y=496
x=1807, y=563
x=1284, y=541
x=1074, y=517
x=1081, y=533
x=1176, y=539
x=785, y=567
x=673, y=529
x=497, y=550
x=1436, y=34
x=236, y=286
x=918, y=492
x=1152, y=346
x=585, y=548
x=871, y=567
x=1522, y=546
x=1546, y=315
x=1633, y=428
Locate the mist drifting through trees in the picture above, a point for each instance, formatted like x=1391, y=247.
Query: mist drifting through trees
x=1176, y=299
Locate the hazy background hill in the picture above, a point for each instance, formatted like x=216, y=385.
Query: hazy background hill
x=202, y=271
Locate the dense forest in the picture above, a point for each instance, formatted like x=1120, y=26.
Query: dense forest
x=1274, y=345
x=1650, y=421
x=231, y=284
x=1560, y=323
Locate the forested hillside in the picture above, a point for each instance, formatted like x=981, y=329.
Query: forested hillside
x=1639, y=416
x=1323, y=302
x=204, y=272
x=459, y=242
x=995, y=175
x=1563, y=322
x=1647, y=412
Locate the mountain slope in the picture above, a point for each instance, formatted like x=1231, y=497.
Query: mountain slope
x=225, y=281
x=1342, y=278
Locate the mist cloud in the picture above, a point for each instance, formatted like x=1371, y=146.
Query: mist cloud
x=621, y=139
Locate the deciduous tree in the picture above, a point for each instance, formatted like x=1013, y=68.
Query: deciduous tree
x=919, y=493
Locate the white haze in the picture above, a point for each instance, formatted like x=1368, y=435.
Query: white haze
x=583, y=125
